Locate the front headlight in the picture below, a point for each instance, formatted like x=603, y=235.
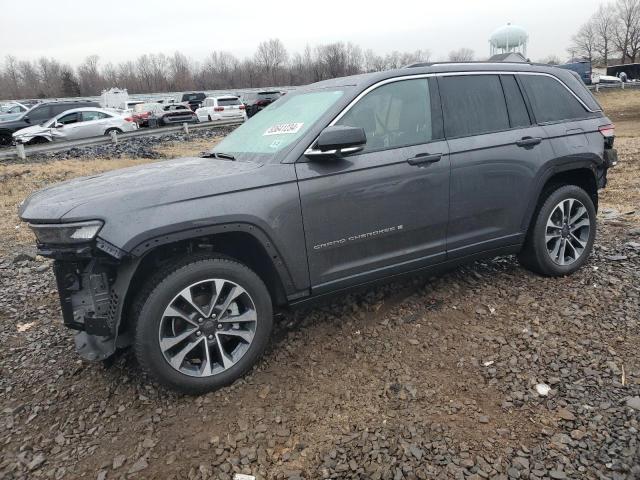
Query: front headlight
x=65, y=233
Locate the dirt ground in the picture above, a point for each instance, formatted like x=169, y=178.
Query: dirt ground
x=423, y=378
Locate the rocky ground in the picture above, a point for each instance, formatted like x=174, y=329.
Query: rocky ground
x=487, y=371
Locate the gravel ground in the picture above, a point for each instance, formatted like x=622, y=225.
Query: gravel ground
x=420, y=379
x=487, y=371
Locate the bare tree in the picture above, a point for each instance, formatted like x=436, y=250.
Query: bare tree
x=584, y=42
x=270, y=56
x=627, y=32
x=603, y=24
x=461, y=55
x=551, y=60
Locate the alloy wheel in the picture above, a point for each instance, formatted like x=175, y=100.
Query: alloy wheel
x=208, y=327
x=567, y=231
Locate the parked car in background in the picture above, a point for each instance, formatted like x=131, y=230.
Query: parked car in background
x=142, y=112
x=582, y=68
x=75, y=124
x=192, y=99
x=11, y=111
x=172, y=114
x=256, y=102
x=607, y=79
x=225, y=107
x=38, y=115
x=129, y=105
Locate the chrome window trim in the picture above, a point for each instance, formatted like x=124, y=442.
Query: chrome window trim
x=440, y=74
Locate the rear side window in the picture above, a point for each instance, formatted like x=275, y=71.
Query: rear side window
x=89, y=116
x=394, y=115
x=41, y=113
x=473, y=105
x=518, y=115
x=550, y=100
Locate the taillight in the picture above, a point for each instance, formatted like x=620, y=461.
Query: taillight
x=128, y=119
x=262, y=103
x=241, y=107
x=608, y=131
x=218, y=109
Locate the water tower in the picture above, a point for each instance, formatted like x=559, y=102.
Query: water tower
x=509, y=38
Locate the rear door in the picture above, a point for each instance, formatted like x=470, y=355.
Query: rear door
x=94, y=123
x=495, y=151
x=385, y=209
x=568, y=125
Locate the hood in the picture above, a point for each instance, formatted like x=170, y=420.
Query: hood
x=137, y=188
x=32, y=131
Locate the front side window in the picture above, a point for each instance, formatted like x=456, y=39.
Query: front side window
x=69, y=118
x=550, y=100
x=280, y=124
x=394, y=115
x=472, y=105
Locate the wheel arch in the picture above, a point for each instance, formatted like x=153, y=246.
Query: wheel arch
x=583, y=175
x=244, y=243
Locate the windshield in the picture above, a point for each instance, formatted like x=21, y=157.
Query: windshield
x=280, y=124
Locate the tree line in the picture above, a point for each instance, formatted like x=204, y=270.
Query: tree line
x=271, y=65
x=611, y=35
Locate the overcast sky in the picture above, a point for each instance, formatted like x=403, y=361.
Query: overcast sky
x=70, y=30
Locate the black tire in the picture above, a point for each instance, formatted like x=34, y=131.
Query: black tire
x=6, y=140
x=37, y=141
x=535, y=255
x=109, y=130
x=209, y=117
x=162, y=290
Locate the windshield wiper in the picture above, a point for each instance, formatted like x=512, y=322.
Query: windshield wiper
x=223, y=156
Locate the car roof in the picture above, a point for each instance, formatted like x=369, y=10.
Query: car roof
x=88, y=109
x=225, y=97
x=362, y=81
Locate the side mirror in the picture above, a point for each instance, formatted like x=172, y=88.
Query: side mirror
x=58, y=125
x=26, y=119
x=338, y=141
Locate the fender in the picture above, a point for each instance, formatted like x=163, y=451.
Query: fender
x=149, y=244
x=558, y=165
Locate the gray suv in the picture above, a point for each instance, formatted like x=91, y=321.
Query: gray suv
x=337, y=185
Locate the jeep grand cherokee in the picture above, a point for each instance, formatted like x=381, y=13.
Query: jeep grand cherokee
x=336, y=185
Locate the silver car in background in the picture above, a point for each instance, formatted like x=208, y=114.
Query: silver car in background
x=75, y=124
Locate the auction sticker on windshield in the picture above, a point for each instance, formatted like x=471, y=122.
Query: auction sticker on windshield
x=283, y=128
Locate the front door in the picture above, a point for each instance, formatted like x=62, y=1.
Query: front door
x=384, y=210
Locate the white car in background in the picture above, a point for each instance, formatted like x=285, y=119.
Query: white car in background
x=226, y=107
x=76, y=124
x=12, y=111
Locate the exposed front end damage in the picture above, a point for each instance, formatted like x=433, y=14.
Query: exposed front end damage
x=92, y=286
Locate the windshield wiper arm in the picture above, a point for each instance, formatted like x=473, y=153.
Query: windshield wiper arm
x=224, y=156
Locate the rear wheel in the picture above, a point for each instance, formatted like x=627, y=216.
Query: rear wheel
x=109, y=130
x=209, y=117
x=202, y=324
x=562, y=235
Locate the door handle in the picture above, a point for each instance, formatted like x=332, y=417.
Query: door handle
x=528, y=141
x=423, y=158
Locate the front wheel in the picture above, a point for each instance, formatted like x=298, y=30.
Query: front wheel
x=202, y=324
x=117, y=130
x=562, y=234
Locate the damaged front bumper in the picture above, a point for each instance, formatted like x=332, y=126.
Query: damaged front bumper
x=92, y=288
